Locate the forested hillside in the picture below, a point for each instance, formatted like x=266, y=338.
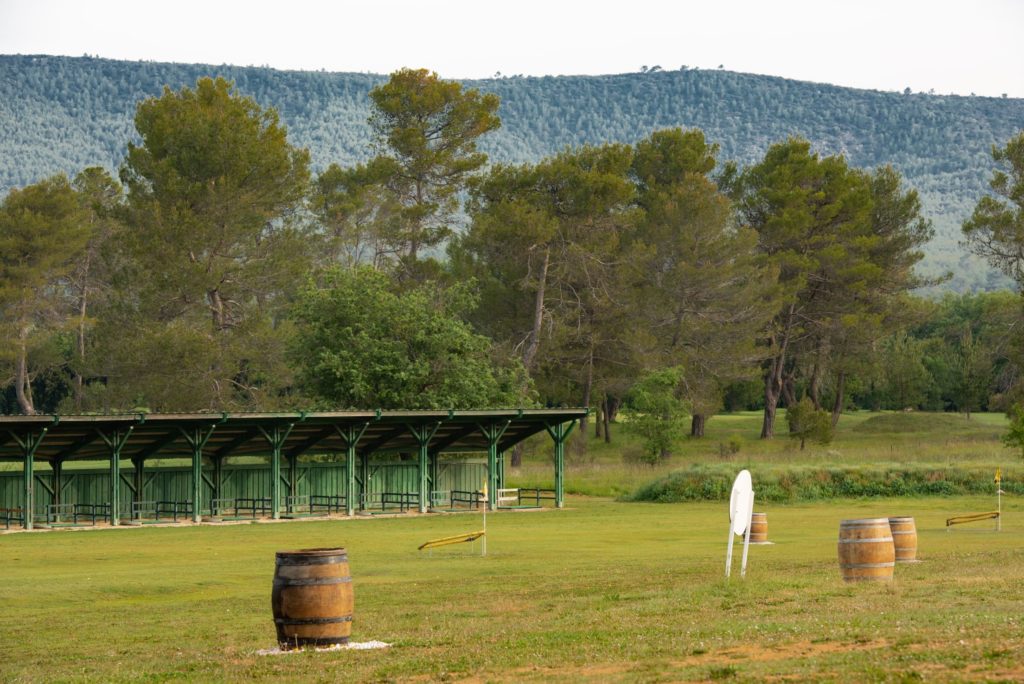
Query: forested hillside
x=64, y=114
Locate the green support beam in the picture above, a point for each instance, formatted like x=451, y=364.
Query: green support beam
x=493, y=432
x=28, y=445
x=115, y=441
x=56, y=480
x=276, y=436
x=197, y=437
x=560, y=434
x=423, y=435
x=351, y=434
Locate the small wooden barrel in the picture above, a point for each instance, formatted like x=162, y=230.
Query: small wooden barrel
x=904, y=539
x=866, y=551
x=312, y=598
x=758, y=528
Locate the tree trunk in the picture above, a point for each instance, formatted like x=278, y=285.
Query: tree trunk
x=772, y=391
x=82, y=308
x=814, y=386
x=607, y=422
x=22, y=382
x=216, y=309
x=697, y=424
x=789, y=390
x=598, y=421
x=837, y=407
x=587, y=386
x=530, y=353
x=517, y=455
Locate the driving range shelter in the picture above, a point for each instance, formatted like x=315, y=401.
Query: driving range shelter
x=153, y=467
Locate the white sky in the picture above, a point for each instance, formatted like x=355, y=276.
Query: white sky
x=951, y=46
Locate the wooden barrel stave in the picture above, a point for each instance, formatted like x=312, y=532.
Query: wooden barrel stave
x=866, y=550
x=904, y=538
x=312, y=598
x=758, y=528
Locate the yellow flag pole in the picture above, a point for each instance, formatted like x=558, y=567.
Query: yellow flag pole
x=483, y=542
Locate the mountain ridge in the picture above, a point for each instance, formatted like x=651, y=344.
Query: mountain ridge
x=65, y=113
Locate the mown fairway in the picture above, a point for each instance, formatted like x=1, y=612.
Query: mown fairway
x=600, y=591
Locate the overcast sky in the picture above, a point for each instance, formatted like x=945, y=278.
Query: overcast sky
x=951, y=46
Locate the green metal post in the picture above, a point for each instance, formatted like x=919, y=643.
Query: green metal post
x=351, y=435
x=364, y=479
x=293, y=477
x=501, y=470
x=560, y=433
x=197, y=439
x=139, y=465
x=350, y=478
x=218, y=477
x=435, y=477
x=276, y=437
x=28, y=448
x=56, y=480
x=115, y=441
x=423, y=435
x=493, y=433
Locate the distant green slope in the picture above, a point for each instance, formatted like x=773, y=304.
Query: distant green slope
x=64, y=113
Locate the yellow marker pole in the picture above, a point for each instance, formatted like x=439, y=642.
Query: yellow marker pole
x=999, y=500
x=483, y=542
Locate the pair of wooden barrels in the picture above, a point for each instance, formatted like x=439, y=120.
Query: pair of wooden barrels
x=312, y=599
x=869, y=548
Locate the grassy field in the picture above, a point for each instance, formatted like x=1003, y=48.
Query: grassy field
x=862, y=438
x=600, y=591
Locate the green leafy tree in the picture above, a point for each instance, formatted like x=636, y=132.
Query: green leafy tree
x=428, y=129
x=659, y=411
x=358, y=213
x=813, y=219
x=996, y=229
x=1014, y=437
x=211, y=255
x=363, y=343
x=89, y=281
x=546, y=241
x=809, y=423
x=697, y=290
x=41, y=233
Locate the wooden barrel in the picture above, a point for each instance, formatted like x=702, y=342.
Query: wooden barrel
x=866, y=551
x=904, y=539
x=759, y=528
x=312, y=598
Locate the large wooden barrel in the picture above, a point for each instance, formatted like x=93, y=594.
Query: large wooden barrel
x=904, y=539
x=865, y=549
x=312, y=598
x=759, y=528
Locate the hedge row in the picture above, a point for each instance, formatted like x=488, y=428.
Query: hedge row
x=810, y=483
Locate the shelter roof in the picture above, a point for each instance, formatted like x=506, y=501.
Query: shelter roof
x=167, y=435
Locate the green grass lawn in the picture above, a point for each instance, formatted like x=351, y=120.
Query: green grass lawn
x=862, y=438
x=601, y=591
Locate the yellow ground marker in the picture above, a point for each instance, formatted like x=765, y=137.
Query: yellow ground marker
x=455, y=539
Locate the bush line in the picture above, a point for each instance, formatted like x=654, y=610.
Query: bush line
x=714, y=483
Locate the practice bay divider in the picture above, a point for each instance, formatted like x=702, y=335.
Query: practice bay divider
x=166, y=497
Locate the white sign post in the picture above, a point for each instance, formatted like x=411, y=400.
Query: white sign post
x=741, y=508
